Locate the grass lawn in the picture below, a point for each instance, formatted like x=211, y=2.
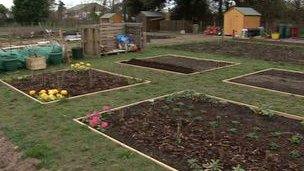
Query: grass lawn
x=50, y=134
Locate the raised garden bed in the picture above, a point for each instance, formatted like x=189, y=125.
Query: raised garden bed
x=73, y=83
x=290, y=54
x=178, y=64
x=188, y=131
x=282, y=81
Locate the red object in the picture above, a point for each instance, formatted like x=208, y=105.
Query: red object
x=295, y=32
x=212, y=30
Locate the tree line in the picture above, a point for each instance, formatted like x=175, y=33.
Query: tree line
x=289, y=11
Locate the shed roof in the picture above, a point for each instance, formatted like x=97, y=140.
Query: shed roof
x=108, y=15
x=152, y=14
x=247, y=11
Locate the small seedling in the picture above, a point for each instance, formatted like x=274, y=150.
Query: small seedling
x=238, y=168
x=295, y=154
x=233, y=131
x=235, y=122
x=193, y=164
x=214, y=124
x=213, y=165
x=276, y=134
x=296, y=139
x=274, y=146
x=253, y=135
x=257, y=129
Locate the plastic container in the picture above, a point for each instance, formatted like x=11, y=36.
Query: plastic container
x=55, y=58
x=36, y=63
x=275, y=36
x=77, y=53
x=10, y=63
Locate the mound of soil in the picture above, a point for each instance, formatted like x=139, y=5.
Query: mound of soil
x=289, y=82
x=76, y=83
x=178, y=64
x=180, y=130
x=290, y=54
x=12, y=160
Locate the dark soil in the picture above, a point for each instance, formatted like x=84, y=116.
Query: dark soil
x=209, y=129
x=12, y=160
x=271, y=42
x=76, y=83
x=178, y=64
x=290, y=54
x=289, y=82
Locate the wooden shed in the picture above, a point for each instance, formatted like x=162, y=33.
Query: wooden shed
x=111, y=18
x=238, y=18
x=150, y=19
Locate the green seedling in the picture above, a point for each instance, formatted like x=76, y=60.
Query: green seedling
x=235, y=122
x=238, y=168
x=296, y=139
x=276, y=134
x=233, y=131
x=213, y=165
x=295, y=154
x=193, y=164
x=274, y=146
x=253, y=135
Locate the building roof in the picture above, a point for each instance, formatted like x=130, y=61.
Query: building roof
x=108, y=15
x=152, y=14
x=248, y=11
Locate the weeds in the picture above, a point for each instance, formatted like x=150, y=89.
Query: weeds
x=296, y=139
x=295, y=154
x=194, y=165
x=274, y=146
x=238, y=168
x=213, y=165
x=252, y=136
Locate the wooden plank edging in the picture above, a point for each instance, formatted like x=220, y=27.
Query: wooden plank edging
x=179, y=73
x=230, y=81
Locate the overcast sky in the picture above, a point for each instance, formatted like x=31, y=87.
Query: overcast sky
x=69, y=3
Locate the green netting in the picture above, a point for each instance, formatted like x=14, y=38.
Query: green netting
x=22, y=53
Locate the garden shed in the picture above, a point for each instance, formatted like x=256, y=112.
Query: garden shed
x=238, y=18
x=150, y=19
x=111, y=18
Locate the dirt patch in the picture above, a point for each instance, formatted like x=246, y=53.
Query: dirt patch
x=273, y=42
x=12, y=160
x=76, y=83
x=178, y=64
x=187, y=131
x=289, y=82
x=290, y=54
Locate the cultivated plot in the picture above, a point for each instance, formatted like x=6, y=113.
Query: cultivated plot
x=278, y=80
x=179, y=64
x=186, y=130
x=73, y=83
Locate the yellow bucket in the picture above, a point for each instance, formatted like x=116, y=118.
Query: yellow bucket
x=275, y=36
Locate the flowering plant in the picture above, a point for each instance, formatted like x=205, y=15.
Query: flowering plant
x=98, y=119
x=49, y=95
x=81, y=66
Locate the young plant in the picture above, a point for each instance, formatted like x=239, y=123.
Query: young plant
x=252, y=136
x=302, y=123
x=213, y=165
x=274, y=146
x=233, y=130
x=276, y=134
x=194, y=165
x=296, y=139
x=238, y=168
x=265, y=111
x=295, y=154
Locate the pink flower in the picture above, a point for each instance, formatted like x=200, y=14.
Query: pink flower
x=104, y=125
x=94, y=119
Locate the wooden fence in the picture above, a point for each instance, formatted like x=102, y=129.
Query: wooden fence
x=176, y=25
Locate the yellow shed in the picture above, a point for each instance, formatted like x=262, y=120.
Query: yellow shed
x=238, y=18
